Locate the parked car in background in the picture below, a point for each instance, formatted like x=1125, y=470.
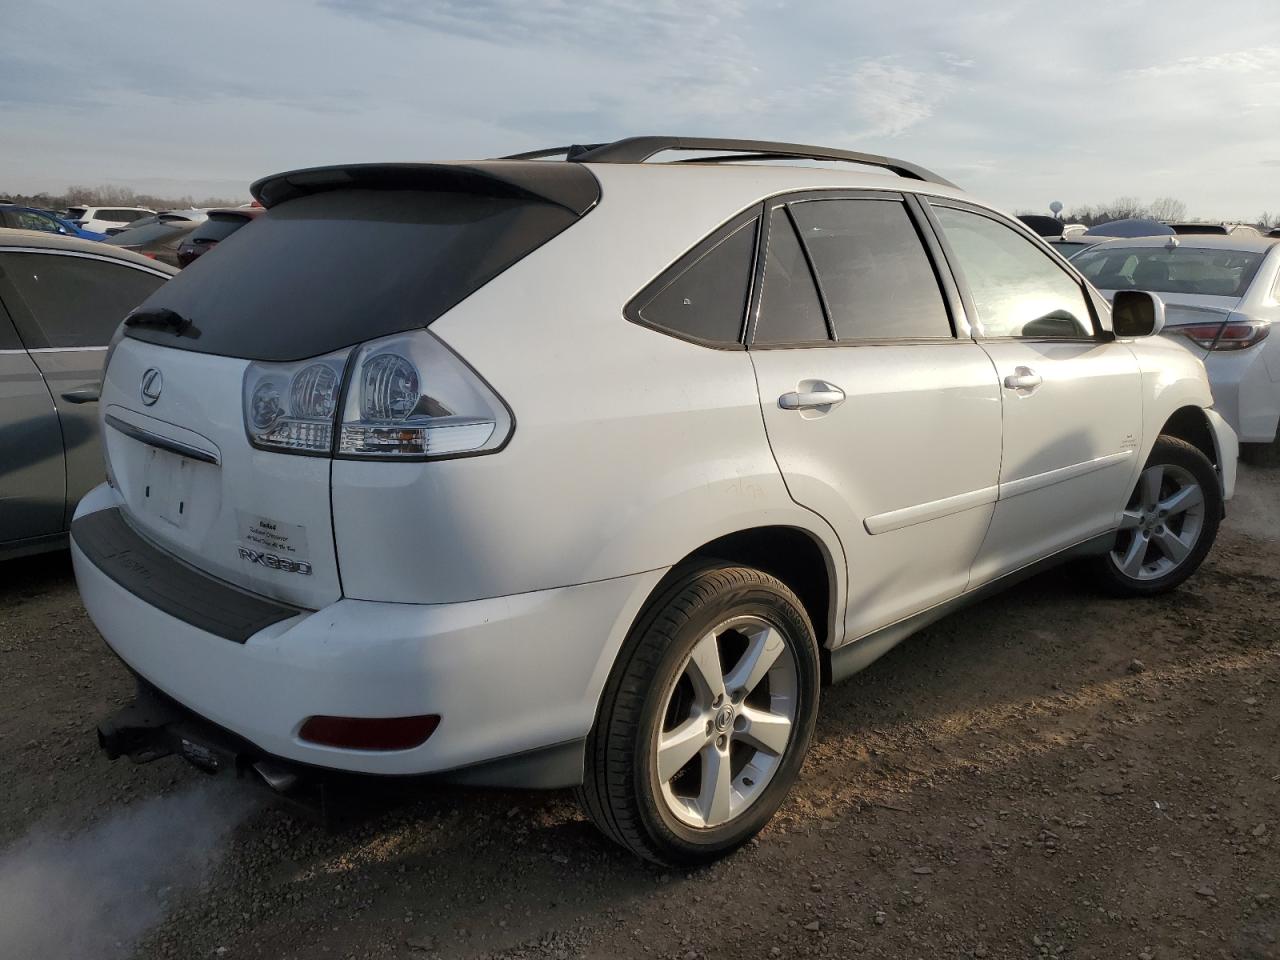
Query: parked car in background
x=158, y=238
x=1042, y=224
x=219, y=225
x=170, y=216
x=1222, y=302
x=1070, y=246
x=61, y=299
x=1130, y=227
x=16, y=217
x=879, y=399
x=104, y=219
x=1199, y=228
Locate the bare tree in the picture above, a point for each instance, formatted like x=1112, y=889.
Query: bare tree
x=107, y=195
x=1168, y=208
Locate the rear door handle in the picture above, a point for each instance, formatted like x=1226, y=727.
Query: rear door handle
x=83, y=395
x=819, y=395
x=1023, y=378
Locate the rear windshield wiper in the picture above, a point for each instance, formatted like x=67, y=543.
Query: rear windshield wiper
x=164, y=318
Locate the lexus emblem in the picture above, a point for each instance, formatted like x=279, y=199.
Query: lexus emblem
x=152, y=384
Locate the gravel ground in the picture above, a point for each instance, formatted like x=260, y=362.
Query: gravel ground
x=1047, y=774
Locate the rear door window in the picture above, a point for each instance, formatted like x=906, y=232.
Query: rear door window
x=708, y=300
x=873, y=270
x=75, y=301
x=790, y=310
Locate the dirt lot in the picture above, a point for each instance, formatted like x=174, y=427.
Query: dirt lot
x=1048, y=774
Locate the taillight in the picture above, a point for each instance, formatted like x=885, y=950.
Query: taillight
x=407, y=397
x=291, y=406
x=1228, y=335
x=410, y=398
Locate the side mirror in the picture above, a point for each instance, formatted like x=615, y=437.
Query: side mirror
x=1136, y=313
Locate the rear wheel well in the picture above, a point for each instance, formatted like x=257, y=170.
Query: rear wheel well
x=1191, y=424
x=788, y=553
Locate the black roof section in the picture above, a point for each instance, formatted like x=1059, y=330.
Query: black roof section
x=567, y=185
x=640, y=149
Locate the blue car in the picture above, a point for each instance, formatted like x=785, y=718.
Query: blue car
x=29, y=218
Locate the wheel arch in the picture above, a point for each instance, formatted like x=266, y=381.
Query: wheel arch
x=810, y=561
x=1191, y=423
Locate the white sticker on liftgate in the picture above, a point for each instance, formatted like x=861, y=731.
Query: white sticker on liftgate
x=273, y=544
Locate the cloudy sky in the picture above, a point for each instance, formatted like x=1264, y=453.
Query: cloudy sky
x=1020, y=101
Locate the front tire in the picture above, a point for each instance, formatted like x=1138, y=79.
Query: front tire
x=1168, y=526
x=706, y=719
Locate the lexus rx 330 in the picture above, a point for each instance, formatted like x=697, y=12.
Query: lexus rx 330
x=583, y=469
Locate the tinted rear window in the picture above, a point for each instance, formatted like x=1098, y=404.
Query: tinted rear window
x=218, y=227
x=334, y=269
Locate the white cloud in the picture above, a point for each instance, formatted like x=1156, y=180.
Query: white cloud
x=1019, y=101
x=1255, y=60
x=887, y=99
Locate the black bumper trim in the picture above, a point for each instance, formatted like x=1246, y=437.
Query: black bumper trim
x=166, y=583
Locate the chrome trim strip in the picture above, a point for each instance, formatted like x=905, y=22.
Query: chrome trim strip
x=66, y=349
x=1015, y=488
x=933, y=510
x=162, y=443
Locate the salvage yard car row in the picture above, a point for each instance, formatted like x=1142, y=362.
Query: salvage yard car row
x=645, y=452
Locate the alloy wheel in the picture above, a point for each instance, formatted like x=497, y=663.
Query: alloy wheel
x=1161, y=525
x=725, y=728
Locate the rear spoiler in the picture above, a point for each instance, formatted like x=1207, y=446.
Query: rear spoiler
x=571, y=186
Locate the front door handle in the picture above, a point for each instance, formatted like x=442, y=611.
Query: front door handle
x=1023, y=378
x=819, y=394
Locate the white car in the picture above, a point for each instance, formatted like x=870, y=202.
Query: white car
x=106, y=219
x=591, y=471
x=1222, y=302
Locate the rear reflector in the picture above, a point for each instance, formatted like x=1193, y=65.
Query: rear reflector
x=370, y=733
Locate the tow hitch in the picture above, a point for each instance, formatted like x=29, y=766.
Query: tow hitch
x=152, y=726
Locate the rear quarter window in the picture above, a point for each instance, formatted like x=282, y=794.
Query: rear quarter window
x=706, y=297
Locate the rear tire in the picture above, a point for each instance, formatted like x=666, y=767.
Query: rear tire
x=1169, y=525
x=707, y=716
x=1261, y=454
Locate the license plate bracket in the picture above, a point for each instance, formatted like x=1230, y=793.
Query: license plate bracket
x=166, y=486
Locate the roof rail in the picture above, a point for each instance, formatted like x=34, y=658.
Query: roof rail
x=640, y=149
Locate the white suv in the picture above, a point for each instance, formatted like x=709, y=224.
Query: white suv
x=107, y=219
x=591, y=471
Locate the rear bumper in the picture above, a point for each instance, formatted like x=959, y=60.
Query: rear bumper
x=511, y=677
x=1244, y=393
